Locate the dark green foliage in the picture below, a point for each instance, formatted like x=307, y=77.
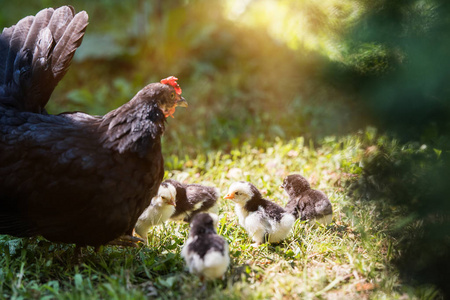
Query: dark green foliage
x=397, y=64
x=409, y=184
x=401, y=73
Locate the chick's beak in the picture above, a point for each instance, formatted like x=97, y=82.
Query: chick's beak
x=229, y=196
x=172, y=202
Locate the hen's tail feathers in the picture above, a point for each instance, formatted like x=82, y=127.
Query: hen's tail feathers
x=36, y=53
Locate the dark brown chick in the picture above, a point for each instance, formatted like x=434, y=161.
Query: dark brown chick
x=306, y=203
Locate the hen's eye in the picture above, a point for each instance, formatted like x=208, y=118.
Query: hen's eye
x=172, y=95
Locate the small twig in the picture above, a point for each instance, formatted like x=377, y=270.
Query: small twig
x=333, y=284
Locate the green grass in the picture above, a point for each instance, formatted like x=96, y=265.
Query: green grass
x=347, y=260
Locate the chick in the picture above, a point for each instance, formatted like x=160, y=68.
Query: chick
x=264, y=221
x=205, y=252
x=192, y=199
x=160, y=209
x=306, y=203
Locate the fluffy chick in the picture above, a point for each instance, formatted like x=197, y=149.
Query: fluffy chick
x=205, y=252
x=160, y=209
x=306, y=203
x=192, y=199
x=264, y=221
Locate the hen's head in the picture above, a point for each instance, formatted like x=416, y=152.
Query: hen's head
x=173, y=97
x=166, y=94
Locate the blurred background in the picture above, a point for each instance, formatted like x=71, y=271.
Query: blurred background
x=256, y=70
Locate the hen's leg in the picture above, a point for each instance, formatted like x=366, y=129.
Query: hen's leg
x=77, y=255
x=127, y=241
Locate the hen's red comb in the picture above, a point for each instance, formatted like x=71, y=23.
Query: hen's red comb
x=172, y=81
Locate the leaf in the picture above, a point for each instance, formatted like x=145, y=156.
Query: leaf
x=78, y=281
x=438, y=152
x=167, y=282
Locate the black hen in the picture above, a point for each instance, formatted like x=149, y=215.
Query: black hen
x=72, y=177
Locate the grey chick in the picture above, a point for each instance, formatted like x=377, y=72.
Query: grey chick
x=192, y=199
x=205, y=252
x=306, y=203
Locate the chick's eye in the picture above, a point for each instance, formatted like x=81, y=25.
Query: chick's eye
x=237, y=193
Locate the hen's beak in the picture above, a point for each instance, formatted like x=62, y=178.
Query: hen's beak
x=182, y=102
x=229, y=196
